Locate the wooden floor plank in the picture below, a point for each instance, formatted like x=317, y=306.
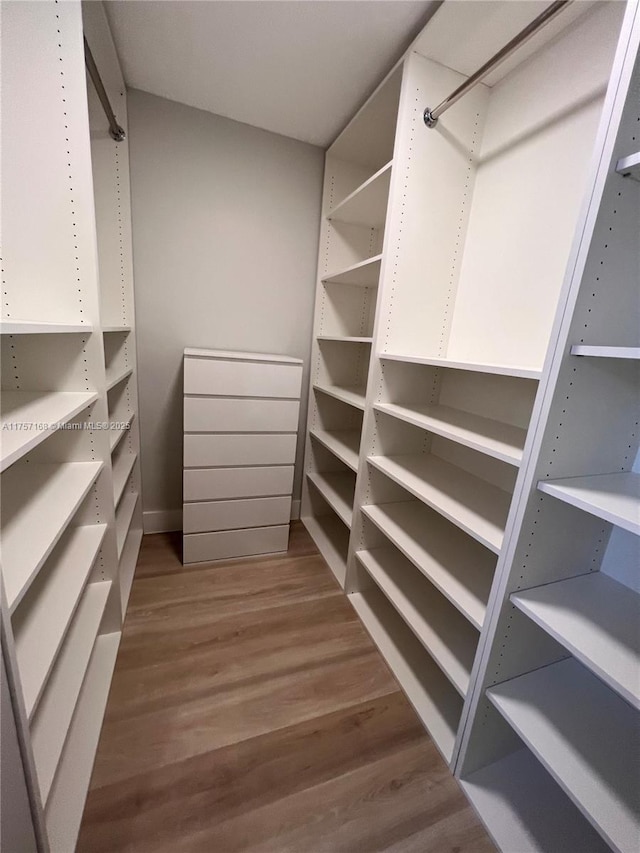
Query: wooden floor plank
x=250, y=711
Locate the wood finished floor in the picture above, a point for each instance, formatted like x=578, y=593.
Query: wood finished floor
x=250, y=711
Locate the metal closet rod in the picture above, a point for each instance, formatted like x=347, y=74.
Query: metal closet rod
x=431, y=116
x=115, y=131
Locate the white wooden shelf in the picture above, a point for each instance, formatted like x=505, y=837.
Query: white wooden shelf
x=38, y=503
x=500, y=440
x=344, y=444
x=116, y=329
x=629, y=167
x=524, y=810
x=346, y=339
x=42, y=412
x=598, y=620
x=612, y=497
x=332, y=540
x=366, y=205
x=122, y=468
x=363, y=274
x=127, y=565
x=71, y=782
x=115, y=377
x=435, y=701
x=42, y=327
x=352, y=396
x=445, y=634
x=475, y=506
x=124, y=514
x=44, y=614
x=53, y=715
x=606, y=352
x=474, y=366
x=116, y=435
x=461, y=569
x=337, y=489
x=587, y=738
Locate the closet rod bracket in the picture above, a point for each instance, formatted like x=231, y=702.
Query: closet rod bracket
x=431, y=116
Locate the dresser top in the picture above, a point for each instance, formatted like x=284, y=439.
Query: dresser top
x=231, y=355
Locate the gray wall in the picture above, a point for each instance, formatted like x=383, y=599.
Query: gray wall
x=225, y=237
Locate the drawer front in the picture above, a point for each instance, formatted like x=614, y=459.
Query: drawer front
x=212, y=414
x=204, y=484
x=201, y=547
x=232, y=515
x=229, y=450
x=241, y=378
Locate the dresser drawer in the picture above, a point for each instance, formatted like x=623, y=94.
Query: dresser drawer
x=232, y=515
x=202, y=484
x=241, y=378
x=202, y=547
x=231, y=449
x=213, y=414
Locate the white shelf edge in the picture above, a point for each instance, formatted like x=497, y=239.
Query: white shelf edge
x=351, y=396
x=42, y=327
x=334, y=278
x=117, y=378
x=345, y=454
x=612, y=497
x=121, y=473
x=124, y=515
x=328, y=548
x=474, y=366
x=605, y=351
x=116, y=329
x=629, y=167
x=330, y=491
x=346, y=339
x=116, y=435
x=336, y=211
x=128, y=563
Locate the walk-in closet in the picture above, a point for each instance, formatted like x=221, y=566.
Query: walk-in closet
x=319, y=447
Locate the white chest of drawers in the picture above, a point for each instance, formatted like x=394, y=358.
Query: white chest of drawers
x=241, y=414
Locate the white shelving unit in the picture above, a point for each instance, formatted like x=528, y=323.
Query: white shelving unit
x=443, y=247
x=68, y=369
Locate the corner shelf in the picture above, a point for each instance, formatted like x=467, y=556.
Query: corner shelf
x=474, y=366
x=446, y=636
x=606, y=352
x=366, y=205
x=117, y=376
x=596, y=619
x=42, y=327
x=363, y=274
x=435, y=701
x=45, y=410
x=475, y=506
x=38, y=504
x=53, y=715
x=461, y=569
x=500, y=440
x=352, y=396
x=559, y=711
x=344, y=444
x=612, y=497
x=337, y=489
x=44, y=614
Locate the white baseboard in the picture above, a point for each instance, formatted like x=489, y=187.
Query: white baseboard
x=162, y=520
x=295, y=510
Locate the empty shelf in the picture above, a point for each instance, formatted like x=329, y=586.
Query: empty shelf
x=122, y=468
x=44, y=614
x=352, y=396
x=445, y=634
x=28, y=417
x=367, y=205
x=586, y=737
x=502, y=441
x=53, y=715
x=114, y=377
x=116, y=329
x=456, y=565
x=41, y=327
x=524, y=810
x=116, y=435
x=127, y=566
x=606, y=352
x=343, y=443
x=337, y=490
x=71, y=782
x=434, y=699
x=612, y=497
x=629, y=167
x=332, y=540
x=475, y=506
x=598, y=620
x=38, y=502
x=124, y=514
x=475, y=366
x=363, y=274
x=346, y=339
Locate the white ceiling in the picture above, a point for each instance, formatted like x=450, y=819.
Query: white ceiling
x=296, y=67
